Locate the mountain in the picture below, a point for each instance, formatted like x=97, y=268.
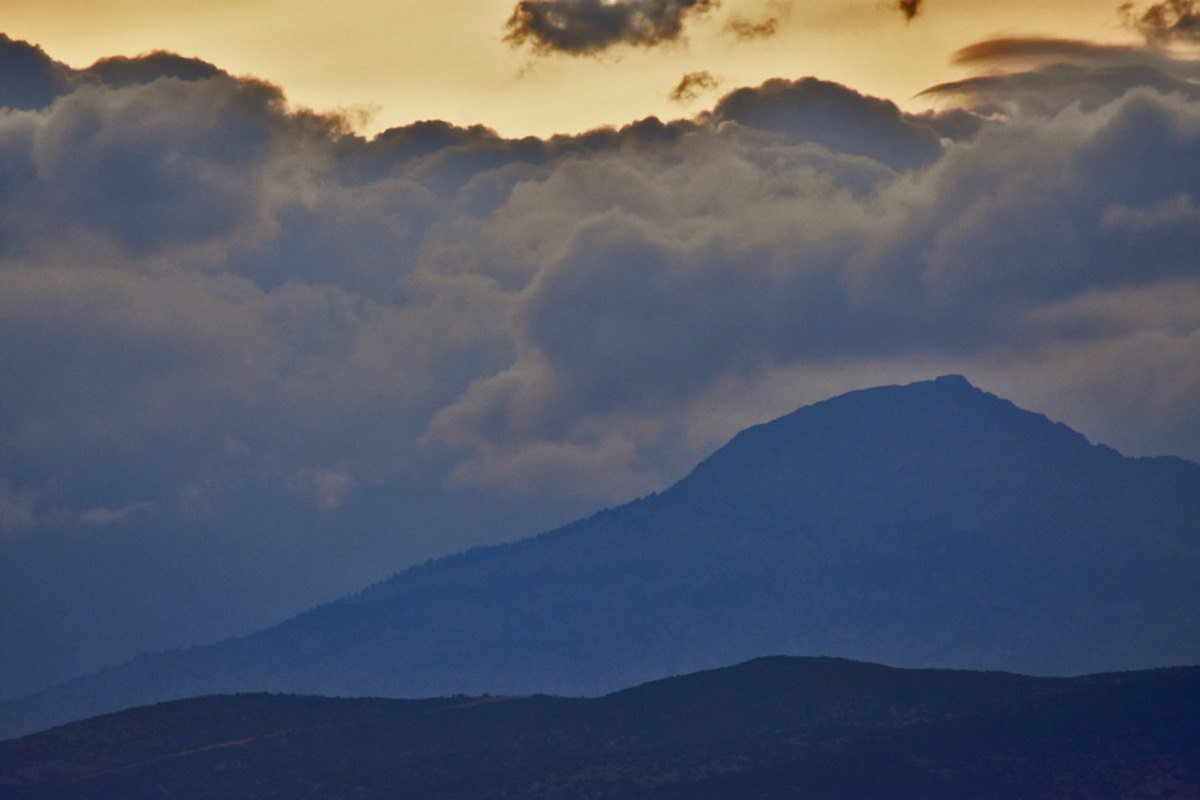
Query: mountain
x=774, y=727
x=928, y=525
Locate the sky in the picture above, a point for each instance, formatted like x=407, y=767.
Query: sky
x=293, y=297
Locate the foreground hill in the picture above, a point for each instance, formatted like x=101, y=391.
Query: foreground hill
x=924, y=525
x=774, y=727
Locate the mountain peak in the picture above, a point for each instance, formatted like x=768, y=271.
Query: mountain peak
x=907, y=442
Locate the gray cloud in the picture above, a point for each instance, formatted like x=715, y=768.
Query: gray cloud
x=280, y=360
x=120, y=71
x=28, y=77
x=834, y=116
x=590, y=26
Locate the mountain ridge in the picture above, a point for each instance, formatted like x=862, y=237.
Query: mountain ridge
x=776, y=726
x=932, y=524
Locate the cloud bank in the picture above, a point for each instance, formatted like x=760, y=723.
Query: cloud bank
x=243, y=348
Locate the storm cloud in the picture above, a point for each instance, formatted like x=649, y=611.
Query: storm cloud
x=590, y=26
x=250, y=360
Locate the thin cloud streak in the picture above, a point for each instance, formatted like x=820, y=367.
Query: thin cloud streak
x=747, y=29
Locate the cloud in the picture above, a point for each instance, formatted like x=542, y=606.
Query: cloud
x=765, y=26
x=692, y=85
x=1039, y=51
x=108, y=516
x=16, y=509
x=1044, y=76
x=259, y=276
x=28, y=77
x=644, y=308
x=834, y=116
x=327, y=486
x=1166, y=22
x=583, y=27
x=746, y=29
x=118, y=71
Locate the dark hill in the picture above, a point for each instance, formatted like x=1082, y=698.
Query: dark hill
x=924, y=525
x=775, y=727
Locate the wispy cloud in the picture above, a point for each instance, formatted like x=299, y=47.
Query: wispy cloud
x=17, y=513
x=1165, y=22
x=692, y=85
x=747, y=29
x=909, y=8
x=109, y=516
x=764, y=24
x=327, y=486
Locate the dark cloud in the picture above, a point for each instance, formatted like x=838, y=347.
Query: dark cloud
x=834, y=116
x=28, y=77
x=1166, y=22
x=589, y=26
x=124, y=71
x=181, y=177
x=692, y=85
x=252, y=361
x=909, y=8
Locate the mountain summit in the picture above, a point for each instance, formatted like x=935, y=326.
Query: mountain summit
x=931, y=525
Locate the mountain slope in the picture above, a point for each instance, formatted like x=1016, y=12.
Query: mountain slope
x=811, y=727
x=923, y=525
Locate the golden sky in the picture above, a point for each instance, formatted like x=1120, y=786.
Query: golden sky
x=406, y=60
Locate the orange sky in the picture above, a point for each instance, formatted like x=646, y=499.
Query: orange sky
x=406, y=60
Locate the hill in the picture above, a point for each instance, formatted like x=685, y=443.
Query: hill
x=923, y=525
x=773, y=727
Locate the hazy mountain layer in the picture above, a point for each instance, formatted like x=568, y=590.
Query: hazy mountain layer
x=775, y=727
x=925, y=525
